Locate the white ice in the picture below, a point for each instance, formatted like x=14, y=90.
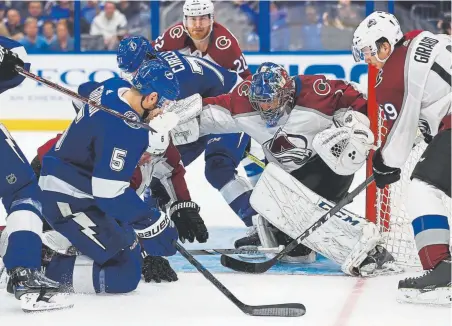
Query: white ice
x=330, y=300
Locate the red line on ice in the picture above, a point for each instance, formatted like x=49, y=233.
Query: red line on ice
x=350, y=303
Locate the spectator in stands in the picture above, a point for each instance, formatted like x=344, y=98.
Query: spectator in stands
x=35, y=11
x=48, y=32
x=32, y=42
x=90, y=10
x=61, y=10
x=311, y=30
x=107, y=23
x=130, y=9
x=13, y=25
x=347, y=15
x=3, y=29
x=444, y=25
x=64, y=42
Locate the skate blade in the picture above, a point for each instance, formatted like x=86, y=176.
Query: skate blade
x=58, y=301
x=437, y=297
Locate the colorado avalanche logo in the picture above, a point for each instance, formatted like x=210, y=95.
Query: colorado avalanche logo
x=222, y=43
x=289, y=149
x=176, y=32
x=244, y=89
x=321, y=87
x=371, y=23
x=379, y=77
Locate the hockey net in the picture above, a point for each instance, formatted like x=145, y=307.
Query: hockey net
x=386, y=207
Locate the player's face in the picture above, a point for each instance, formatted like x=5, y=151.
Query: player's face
x=268, y=106
x=383, y=53
x=198, y=26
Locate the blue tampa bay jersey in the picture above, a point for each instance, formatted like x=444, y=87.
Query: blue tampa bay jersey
x=197, y=75
x=95, y=157
x=15, y=171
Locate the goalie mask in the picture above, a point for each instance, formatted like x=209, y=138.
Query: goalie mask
x=270, y=91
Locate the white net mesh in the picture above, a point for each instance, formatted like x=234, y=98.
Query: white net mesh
x=394, y=222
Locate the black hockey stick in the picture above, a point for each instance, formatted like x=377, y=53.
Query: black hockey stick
x=262, y=267
x=276, y=310
x=77, y=96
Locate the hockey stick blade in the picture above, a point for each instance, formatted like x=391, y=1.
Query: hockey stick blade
x=277, y=310
x=255, y=251
x=262, y=267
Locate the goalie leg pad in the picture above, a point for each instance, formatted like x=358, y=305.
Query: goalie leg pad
x=292, y=208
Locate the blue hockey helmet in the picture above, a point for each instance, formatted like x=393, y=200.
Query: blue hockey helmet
x=132, y=51
x=271, y=89
x=155, y=76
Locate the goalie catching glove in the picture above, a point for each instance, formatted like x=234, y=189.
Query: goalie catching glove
x=190, y=225
x=345, y=145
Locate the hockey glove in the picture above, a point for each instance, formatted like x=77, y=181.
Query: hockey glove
x=185, y=214
x=8, y=61
x=384, y=175
x=157, y=236
x=157, y=269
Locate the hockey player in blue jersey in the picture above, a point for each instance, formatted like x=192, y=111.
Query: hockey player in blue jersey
x=86, y=192
x=223, y=153
x=20, y=241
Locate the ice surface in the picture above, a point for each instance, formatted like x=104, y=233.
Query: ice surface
x=330, y=300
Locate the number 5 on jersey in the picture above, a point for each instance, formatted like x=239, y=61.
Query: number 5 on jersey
x=117, y=159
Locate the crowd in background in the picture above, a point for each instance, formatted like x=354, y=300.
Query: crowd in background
x=48, y=26
x=41, y=26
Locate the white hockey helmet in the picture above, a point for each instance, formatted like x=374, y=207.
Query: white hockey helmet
x=195, y=8
x=375, y=26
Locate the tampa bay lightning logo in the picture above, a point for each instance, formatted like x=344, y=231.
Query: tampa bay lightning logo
x=133, y=46
x=131, y=116
x=169, y=75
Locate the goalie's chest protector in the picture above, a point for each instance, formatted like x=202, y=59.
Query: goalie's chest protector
x=291, y=145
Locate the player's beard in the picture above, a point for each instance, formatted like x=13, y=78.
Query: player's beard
x=146, y=111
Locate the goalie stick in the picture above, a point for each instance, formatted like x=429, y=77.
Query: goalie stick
x=76, y=96
x=275, y=310
x=262, y=267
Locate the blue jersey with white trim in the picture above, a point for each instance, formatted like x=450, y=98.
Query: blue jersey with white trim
x=197, y=75
x=17, y=180
x=95, y=157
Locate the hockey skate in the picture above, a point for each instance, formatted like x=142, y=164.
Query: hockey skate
x=301, y=253
x=35, y=291
x=250, y=239
x=379, y=262
x=434, y=287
